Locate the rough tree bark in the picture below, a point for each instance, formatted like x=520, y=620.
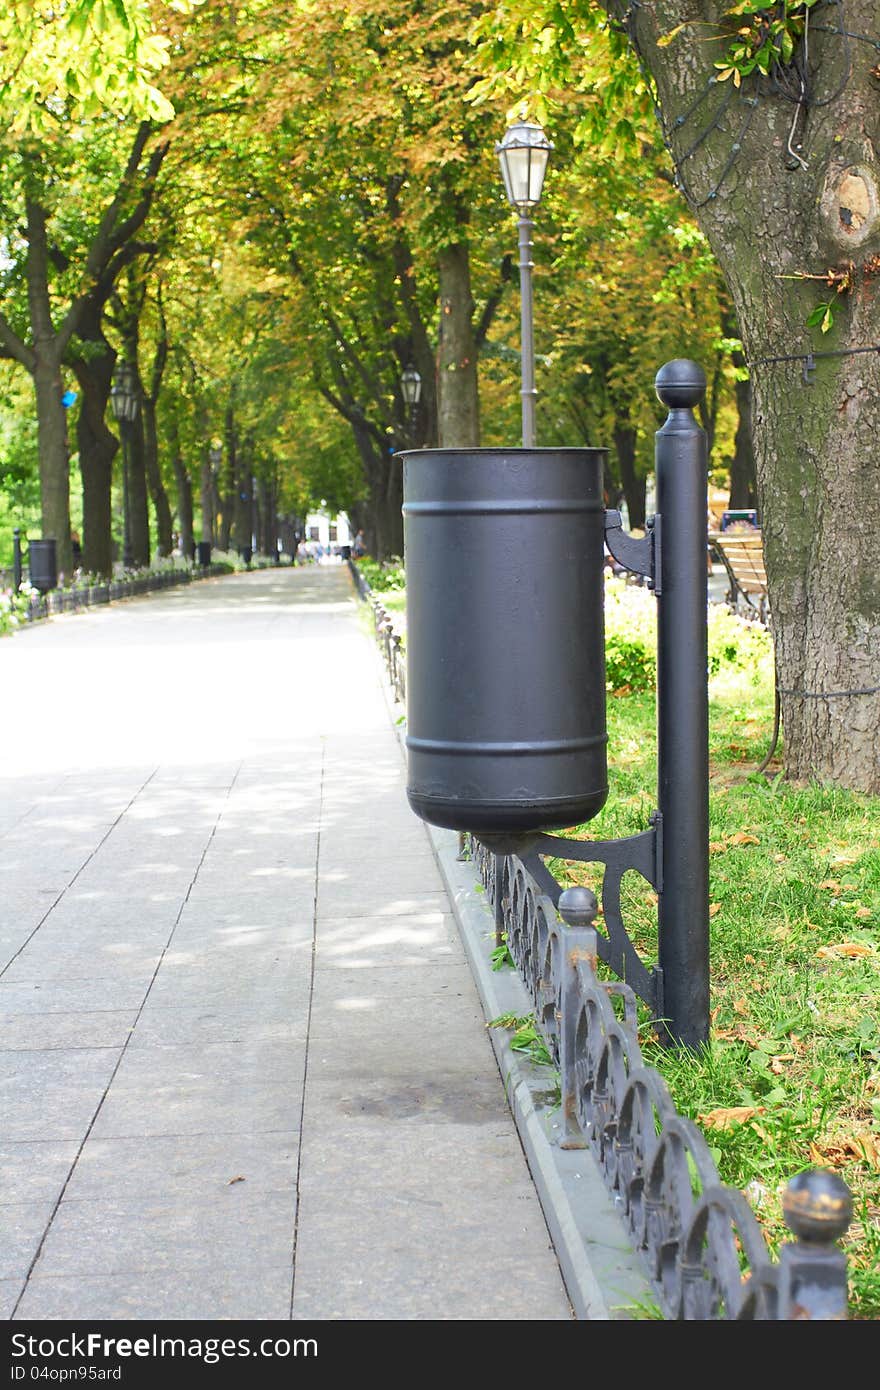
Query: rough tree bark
x=98, y=447
x=184, y=495
x=786, y=186
x=161, y=505
x=206, y=495
x=48, y=349
x=634, y=487
x=458, y=415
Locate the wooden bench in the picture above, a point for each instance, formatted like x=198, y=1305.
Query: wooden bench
x=742, y=554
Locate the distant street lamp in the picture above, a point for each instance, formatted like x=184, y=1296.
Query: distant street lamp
x=411, y=387
x=523, y=155
x=125, y=404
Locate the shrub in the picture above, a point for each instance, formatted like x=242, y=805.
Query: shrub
x=735, y=645
x=387, y=576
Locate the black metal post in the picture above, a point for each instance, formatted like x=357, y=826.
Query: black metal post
x=527, y=337
x=16, y=559
x=680, y=539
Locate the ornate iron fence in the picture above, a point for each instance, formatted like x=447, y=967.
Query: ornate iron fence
x=74, y=600
x=390, y=641
x=705, y=1252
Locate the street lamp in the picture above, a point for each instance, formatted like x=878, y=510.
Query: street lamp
x=411, y=387
x=523, y=155
x=125, y=405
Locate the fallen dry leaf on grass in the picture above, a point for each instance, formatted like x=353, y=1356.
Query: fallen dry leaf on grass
x=741, y=838
x=862, y=1147
x=726, y=1117
x=830, y=883
x=741, y=1006
x=852, y=949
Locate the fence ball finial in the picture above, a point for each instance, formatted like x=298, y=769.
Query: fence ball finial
x=680, y=384
x=578, y=907
x=817, y=1206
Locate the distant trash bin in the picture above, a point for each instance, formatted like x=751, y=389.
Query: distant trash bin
x=746, y=516
x=204, y=553
x=43, y=565
x=345, y=552
x=246, y=554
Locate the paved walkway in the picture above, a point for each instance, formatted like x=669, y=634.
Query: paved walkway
x=245, y=1073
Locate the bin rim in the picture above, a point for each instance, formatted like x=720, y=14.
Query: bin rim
x=503, y=451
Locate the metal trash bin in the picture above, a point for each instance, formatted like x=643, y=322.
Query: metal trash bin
x=504, y=555
x=204, y=549
x=43, y=565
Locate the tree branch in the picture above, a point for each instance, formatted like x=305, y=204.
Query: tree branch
x=491, y=306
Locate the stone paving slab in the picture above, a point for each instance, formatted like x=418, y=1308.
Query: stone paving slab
x=35, y=1171
x=245, y=1086
x=241, y=1230
x=23, y=1225
x=184, y=1166
x=33, y=1031
x=54, y=1093
x=159, y=1296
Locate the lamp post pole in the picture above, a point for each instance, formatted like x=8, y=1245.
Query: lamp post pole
x=523, y=154
x=125, y=404
x=527, y=332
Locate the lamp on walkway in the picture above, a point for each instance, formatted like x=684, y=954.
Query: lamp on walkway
x=411, y=387
x=125, y=405
x=523, y=155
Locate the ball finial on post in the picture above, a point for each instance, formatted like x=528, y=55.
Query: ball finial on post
x=680, y=384
x=817, y=1206
x=578, y=907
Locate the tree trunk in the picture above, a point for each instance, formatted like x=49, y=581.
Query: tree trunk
x=268, y=518
x=633, y=486
x=161, y=506
x=742, y=465
x=206, y=494
x=139, y=511
x=186, y=533
x=46, y=372
x=804, y=180
x=96, y=443
x=242, y=515
x=458, y=407
x=98, y=447
x=54, y=459
x=383, y=526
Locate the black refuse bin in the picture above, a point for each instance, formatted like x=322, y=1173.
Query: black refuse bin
x=204, y=553
x=504, y=554
x=43, y=565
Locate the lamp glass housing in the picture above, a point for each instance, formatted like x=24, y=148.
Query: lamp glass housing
x=123, y=397
x=411, y=386
x=523, y=154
